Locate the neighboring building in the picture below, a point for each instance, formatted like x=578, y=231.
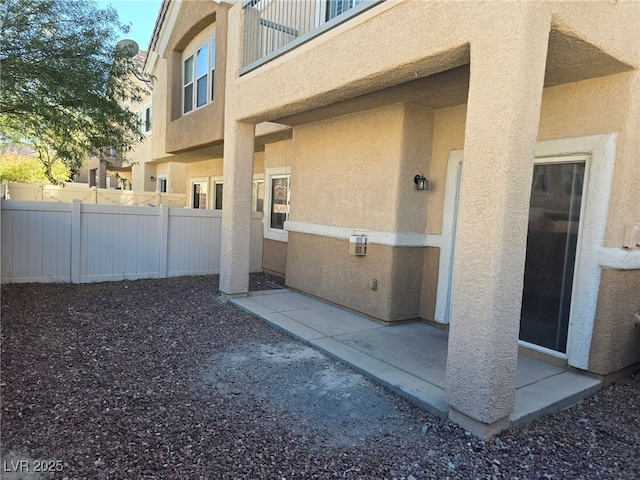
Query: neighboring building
x=109, y=168
x=101, y=170
x=523, y=117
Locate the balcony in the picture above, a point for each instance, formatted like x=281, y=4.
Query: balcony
x=273, y=27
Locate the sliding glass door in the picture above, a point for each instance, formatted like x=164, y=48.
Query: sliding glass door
x=554, y=221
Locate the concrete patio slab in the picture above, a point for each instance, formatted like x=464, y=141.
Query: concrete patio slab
x=342, y=322
x=408, y=358
x=551, y=394
x=287, y=301
x=417, y=348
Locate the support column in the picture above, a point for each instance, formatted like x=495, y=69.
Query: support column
x=239, y=139
x=508, y=58
x=236, y=216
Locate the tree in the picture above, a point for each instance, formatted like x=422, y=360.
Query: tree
x=64, y=85
x=24, y=167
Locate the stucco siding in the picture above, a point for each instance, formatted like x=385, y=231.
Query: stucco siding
x=603, y=105
x=323, y=267
x=274, y=256
x=616, y=336
x=429, y=279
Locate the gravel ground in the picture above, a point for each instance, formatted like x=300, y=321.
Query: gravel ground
x=161, y=379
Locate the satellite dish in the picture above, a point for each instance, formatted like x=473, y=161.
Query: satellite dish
x=130, y=46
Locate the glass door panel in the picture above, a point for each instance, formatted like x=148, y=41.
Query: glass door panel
x=554, y=218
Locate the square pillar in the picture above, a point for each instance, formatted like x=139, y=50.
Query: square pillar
x=239, y=139
x=508, y=60
x=236, y=216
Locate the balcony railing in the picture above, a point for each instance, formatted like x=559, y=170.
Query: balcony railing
x=273, y=27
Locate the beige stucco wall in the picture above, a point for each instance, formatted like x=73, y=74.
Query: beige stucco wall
x=141, y=177
x=448, y=135
x=160, y=109
x=616, y=336
x=513, y=49
x=177, y=176
x=202, y=126
x=277, y=154
x=274, y=256
x=584, y=48
x=603, y=105
x=323, y=267
x=258, y=162
x=360, y=174
x=441, y=33
x=207, y=168
x=431, y=265
x=346, y=147
x=348, y=172
x=188, y=25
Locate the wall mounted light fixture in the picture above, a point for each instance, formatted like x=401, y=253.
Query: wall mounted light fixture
x=153, y=178
x=421, y=182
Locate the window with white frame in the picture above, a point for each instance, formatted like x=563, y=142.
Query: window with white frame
x=217, y=194
x=202, y=69
x=213, y=65
x=162, y=184
x=198, y=77
x=277, y=188
x=279, y=210
x=144, y=119
x=257, y=197
x=188, y=84
x=147, y=119
x=199, y=191
x=338, y=7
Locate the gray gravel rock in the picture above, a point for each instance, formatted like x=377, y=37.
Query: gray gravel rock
x=161, y=379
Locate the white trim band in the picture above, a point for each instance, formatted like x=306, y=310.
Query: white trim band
x=619, y=259
x=392, y=239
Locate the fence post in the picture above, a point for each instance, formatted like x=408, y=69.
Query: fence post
x=76, y=217
x=164, y=241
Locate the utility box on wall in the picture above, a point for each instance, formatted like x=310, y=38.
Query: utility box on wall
x=358, y=244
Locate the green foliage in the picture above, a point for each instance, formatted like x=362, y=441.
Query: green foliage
x=29, y=169
x=64, y=86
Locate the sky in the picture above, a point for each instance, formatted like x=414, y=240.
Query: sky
x=140, y=15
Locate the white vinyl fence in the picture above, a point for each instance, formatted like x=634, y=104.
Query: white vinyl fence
x=105, y=196
x=76, y=242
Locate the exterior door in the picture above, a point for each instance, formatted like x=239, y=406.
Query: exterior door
x=552, y=240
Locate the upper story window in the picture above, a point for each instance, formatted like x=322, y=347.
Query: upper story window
x=213, y=65
x=202, y=68
x=188, y=85
x=337, y=7
x=198, y=77
x=144, y=119
x=147, y=119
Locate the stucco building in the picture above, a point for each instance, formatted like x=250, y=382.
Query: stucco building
x=522, y=117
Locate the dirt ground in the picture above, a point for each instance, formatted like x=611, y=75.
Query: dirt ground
x=161, y=379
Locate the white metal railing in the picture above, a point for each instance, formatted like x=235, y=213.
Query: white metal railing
x=273, y=27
